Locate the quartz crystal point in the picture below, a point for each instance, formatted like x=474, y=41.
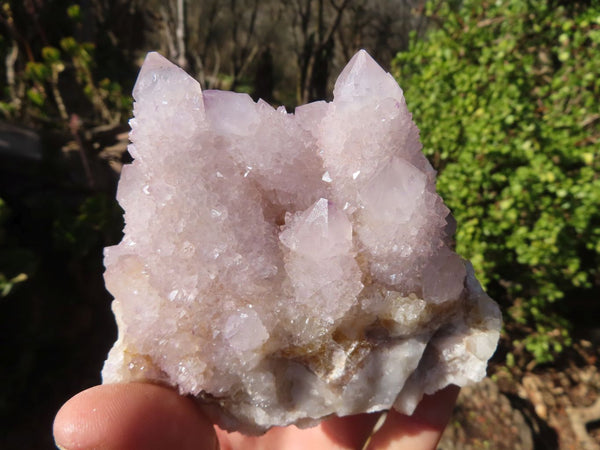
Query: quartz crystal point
x=283, y=268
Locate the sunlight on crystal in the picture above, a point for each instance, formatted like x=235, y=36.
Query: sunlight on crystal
x=286, y=267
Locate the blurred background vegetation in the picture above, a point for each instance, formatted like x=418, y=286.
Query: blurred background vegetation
x=505, y=94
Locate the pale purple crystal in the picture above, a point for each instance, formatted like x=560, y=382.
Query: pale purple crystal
x=287, y=267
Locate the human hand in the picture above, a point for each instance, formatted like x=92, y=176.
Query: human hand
x=145, y=416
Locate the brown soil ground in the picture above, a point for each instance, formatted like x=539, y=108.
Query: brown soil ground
x=537, y=408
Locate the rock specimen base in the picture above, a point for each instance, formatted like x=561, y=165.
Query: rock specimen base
x=286, y=267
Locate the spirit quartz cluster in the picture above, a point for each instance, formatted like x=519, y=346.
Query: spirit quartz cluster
x=283, y=268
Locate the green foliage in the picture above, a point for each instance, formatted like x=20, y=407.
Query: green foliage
x=506, y=97
x=12, y=260
x=48, y=98
x=74, y=12
x=79, y=233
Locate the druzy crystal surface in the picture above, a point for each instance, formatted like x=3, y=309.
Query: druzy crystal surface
x=282, y=267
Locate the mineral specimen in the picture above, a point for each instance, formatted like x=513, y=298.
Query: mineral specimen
x=283, y=268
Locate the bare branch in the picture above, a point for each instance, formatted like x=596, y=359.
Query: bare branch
x=10, y=61
x=248, y=61
x=74, y=126
x=60, y=104
x=180, y=34
x=212, y=14
x=167, y=30
x=334, y=24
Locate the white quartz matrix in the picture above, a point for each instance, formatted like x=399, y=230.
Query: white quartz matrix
x=283, y=268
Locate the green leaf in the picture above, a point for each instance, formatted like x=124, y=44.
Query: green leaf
x=512, y=127
x=51, y=54
x=36, y=96
x=74, y=12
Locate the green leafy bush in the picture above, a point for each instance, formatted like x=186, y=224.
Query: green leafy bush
x=15, y=263
x=506, y=96
x=48, y=84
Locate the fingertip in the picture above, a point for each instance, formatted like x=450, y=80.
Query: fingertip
x=73, y=424
x=435, y=410
x=132, y=416
x=423, y=429
x=350, y=431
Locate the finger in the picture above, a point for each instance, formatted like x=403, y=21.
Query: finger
x=423, y=429
x=336, y=433
x=350, y=431
x=132, y=416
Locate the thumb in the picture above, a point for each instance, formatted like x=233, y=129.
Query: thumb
x=132, y=416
